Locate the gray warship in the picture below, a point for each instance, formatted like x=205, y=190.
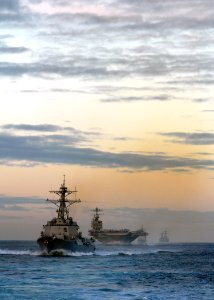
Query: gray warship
x=114, y=236
x=164, y=239
x=62, y=233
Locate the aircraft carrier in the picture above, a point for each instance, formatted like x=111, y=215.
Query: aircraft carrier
x=114, y=236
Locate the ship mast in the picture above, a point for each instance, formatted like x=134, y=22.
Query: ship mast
x=96, y=210
x=63, y=203
x=96, y=223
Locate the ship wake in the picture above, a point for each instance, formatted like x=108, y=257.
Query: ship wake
x=18, y=252
x=107, y=251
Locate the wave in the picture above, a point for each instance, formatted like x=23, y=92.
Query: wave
x=60, y=252
x=96, y=253
x=117, y=252
x=18, y=252
x=103, y=251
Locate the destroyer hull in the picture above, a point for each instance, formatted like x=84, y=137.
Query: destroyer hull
x=54, y=245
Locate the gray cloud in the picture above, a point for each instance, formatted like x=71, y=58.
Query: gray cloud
x=15, y=201
x=163, y=214
x=62, y=68
x=200, y=100
x=72, y=134
x=195, y=138
x=12, y=50
x=13, y=208
x=10, y=203
x=124, y=138
x=10, y=18
x=146, y=15
x=66, y=148
x=30, y=127
x=156, y=30
x=90, y=67
x=133, y=99
x=12, y=13
x=9, y=5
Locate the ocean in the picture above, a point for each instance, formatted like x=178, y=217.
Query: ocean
x=173, y=271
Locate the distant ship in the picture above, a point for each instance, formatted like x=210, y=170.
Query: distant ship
x=61, y=233
x=164, y=239
x=113, y=236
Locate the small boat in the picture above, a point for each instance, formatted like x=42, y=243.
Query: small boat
x=164, y=239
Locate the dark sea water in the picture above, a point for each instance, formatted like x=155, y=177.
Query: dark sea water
x=176, y=271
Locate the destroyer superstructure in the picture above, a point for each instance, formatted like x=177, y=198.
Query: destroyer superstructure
x=62, y=233
x=114, y=236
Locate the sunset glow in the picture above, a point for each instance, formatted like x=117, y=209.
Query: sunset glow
x=118, y=96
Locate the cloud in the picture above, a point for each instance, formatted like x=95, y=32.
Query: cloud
x=11, y=13
x=15, y=201
x=37, y=127
x=12, y=50
x=67, y=149
x=13, y=208
x=133, y=99
x=124, y=138
x=18, y=204
x=72, y=134
x=121, y=39
x=62, y=68
x=9, y=5
x=162, y=214
x=195, y=138
x=181, y=170
x=9, y=18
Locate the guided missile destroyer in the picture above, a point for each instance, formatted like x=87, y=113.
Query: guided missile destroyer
x=61, y=233
x=114, y=236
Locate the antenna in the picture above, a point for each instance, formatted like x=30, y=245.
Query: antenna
x=63, y=202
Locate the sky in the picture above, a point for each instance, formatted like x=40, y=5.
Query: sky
x=116, y=95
